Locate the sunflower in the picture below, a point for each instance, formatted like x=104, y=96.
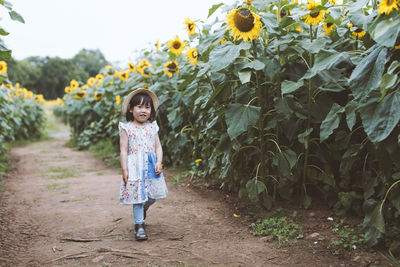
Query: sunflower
x=192, y=56
x=333, y=2
x=314, y=17
x=223, y=40
x=123, y=75
x=9, y=86
x=131, y=67
x=99, y=77
x=176, y=45
x=118, y=100
x=80, y=94
x=97, y=96
x=386, y=6
x=39, y=98
x=84, y=87
x=67, y=90
x=3, y=67
x=109, y=70
x=358, y=33
x=144, y=64
x=244, y=24
x=170, y=68
x=328, y=27
x=158, y=46
x=74, y=84
x=397, y=43
x=91, y=81
x=142, y=68
x=249, y=3
x=190, y=27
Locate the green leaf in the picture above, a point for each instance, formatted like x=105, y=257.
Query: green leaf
x=288, y=87
x=283, y=165
x=315, y=46
x=221, y=57
x=255, y=65
x=326, y=60
x=239, y=117
x=350, y=109
x=377, y=218
x=244, y=76
x=387, y=82
x=254, y=188
x=15, y=16
x=5, y=54
x=213, y=9
x=393, y=67
x=331, y=122
x=367, y=75
x=303, y=137
x=3, y=32
x=379, y=119
x=385, y=32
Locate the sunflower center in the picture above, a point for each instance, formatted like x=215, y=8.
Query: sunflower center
x=329, y=24
x=244, y=20
x=172, y=67
x=358, y=30
x=190, y=26
x=314, y=15
x=176, y=45
x=195, y=54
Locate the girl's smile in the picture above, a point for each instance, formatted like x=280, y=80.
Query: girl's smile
x=141, y=113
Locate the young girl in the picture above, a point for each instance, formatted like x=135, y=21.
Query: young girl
x=141, y=157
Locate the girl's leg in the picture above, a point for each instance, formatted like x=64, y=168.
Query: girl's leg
x=147, y=205
x=138, y=213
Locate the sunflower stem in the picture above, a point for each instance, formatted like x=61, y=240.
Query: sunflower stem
x=261, y=133
x=306, y=153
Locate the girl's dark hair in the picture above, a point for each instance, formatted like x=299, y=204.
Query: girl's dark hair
x=141, y=98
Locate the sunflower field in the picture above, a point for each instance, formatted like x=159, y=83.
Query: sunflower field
x=21, y=112
x=21, y=115
x=280, y=100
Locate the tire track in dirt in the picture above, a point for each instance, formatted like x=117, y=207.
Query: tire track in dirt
x=64, y=210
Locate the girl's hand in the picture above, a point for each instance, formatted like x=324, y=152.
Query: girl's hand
x=158, y=168
x=125, y=176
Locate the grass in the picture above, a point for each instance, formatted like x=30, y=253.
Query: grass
x=62, y=173
x=345, y=237
x=107, y=151
x=282, y=228
x=83, y=198
x=56, y=186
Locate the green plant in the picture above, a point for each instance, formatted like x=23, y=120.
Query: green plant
x=283, y=228
x=346, y=237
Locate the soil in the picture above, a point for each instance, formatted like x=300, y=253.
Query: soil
x=60, y=208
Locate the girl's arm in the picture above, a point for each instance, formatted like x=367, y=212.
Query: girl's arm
x=159, y=155
x=123, y=146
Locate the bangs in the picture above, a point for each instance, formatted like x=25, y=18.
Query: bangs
x=141, y=99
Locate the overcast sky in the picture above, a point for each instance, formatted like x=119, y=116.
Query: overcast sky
x=118, y=28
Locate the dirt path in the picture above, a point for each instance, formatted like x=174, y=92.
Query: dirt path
x=55, y=194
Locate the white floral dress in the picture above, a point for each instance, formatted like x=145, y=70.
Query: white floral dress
x=143, y=183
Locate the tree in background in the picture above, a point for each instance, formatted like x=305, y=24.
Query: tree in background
x=90, y=60
x=50, y=75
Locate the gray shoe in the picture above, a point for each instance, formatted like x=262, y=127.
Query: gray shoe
x=140, y=232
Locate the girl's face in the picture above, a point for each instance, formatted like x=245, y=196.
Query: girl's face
x=141, y=113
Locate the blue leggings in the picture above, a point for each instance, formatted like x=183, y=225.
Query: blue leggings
x=138, y=210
